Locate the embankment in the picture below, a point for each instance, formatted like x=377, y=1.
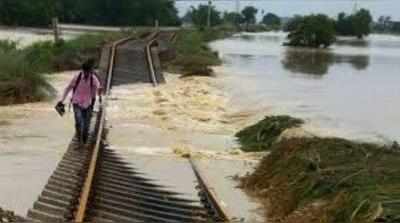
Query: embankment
x=311, y=179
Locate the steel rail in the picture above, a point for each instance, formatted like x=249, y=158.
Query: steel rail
x=86, y=191
x=150, y=60
x=221, y=214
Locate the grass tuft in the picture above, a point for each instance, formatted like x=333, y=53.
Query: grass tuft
x=261, y=136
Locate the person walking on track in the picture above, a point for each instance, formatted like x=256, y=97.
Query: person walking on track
x=84, y=87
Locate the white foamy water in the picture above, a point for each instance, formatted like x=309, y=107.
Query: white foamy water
x=351, y=90
x=26, y=37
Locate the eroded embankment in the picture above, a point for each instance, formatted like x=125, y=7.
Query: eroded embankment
x=312, y=179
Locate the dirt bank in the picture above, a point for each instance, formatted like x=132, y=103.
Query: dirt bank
x=311, y=179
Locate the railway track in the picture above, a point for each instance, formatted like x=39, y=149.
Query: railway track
x=95, y=184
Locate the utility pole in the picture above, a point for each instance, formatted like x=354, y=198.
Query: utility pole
x=355, y=9
x=56, y=30
x=209, y=14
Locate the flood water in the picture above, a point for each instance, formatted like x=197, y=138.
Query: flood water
x=287, y=8
x=351, y=90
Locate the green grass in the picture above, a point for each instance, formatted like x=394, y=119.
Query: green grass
x=261, y=136
x=8, y=45
x=21, y=70
x=356, y=182
x=20, y=79
x=70, y=54
x=193, y=57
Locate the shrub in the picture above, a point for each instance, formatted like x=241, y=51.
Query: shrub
x=313, y=31
x=68, y=55
x=261, y=136
x=8, y=45
x=42, y=55
x=21, y=70
x=194, y=57
x=20, y=80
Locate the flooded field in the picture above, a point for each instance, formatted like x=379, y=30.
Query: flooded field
x=350, y=90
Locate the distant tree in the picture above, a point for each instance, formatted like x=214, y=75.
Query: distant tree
x=233, y=18
x=358, y=24
x=293, y=23
x=344, y=25
x=199, y=16
x=313, y=31
x=249, y=15
x=362, y=23
x=272, y=20
x=383, y=24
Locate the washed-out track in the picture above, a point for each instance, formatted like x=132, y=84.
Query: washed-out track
x=94, y=184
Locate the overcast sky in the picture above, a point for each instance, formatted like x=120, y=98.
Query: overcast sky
x=291, y=7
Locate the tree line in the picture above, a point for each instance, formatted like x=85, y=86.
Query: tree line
x=316, y=30
x=247, y=17
x=385, y=24
x=95, y=12
x=320, y=31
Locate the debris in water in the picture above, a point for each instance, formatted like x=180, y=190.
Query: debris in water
x=9, y=216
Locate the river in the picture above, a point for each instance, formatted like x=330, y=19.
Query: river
x=351, y=90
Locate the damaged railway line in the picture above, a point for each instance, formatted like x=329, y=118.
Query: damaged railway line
x=95, y=184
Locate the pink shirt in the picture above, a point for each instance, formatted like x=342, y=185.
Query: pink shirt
x=84, y=93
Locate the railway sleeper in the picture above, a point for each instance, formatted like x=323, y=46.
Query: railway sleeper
x=60, y=189
x=151, y=211
x=55, y=202
x=57, y=196
x=118, y=174
x=52, y=209
x=63, y=184
x=123, y=170
x=137, y=186
x=71, y=165
x=65, y=173
x=67, y=179
x=35, y=216
x=75, y=158
x=133, y=214
x=188, y=210
x=134, y=190
x=141, y=198
x=110, y=216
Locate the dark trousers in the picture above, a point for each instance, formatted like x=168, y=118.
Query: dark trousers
x=82, y=122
